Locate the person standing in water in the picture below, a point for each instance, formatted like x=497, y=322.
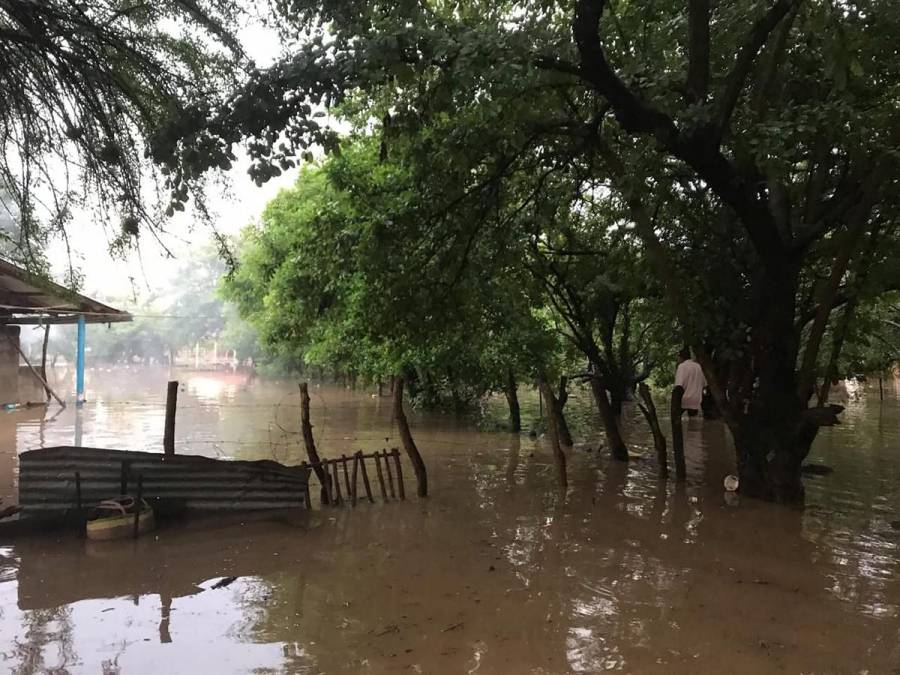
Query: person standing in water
x=689, y=376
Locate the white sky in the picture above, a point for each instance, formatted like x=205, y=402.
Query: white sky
x=151, y=268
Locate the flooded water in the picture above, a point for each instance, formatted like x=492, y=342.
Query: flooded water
x=495, y=572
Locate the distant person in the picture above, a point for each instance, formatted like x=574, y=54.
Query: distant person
x=689, y=376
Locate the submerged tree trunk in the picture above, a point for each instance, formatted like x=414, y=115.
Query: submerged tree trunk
x=512, y=399
x=618, y=394
x=659, y=440
x=309, y=441
x=558, y=454
x=562, y=426
x=617, y=446
x=408, y=444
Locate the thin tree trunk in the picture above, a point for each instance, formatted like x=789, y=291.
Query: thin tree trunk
x=617, y=446
x=565, y=435
x=512, y=399
x=659, y=440
x=563, y=396
x=309, y=441
x=558, y=454
x=44, y=360
x=678, y=434
x=408, y=444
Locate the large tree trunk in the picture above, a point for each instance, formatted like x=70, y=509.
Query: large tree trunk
x=512, y=399
x=618, y=393
x=408, y=444
x=775, y=433
x=558, y=454
x=617, y=446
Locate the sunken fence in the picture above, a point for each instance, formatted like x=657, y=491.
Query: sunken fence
x=341, y=477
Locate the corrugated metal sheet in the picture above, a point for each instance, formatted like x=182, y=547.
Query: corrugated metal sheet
x=47, y=480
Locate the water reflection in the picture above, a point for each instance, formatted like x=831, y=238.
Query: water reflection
x=497, y=572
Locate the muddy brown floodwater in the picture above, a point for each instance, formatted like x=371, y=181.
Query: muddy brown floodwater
x=496, y=572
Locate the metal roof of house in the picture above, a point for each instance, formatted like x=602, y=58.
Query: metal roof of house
x=27, y=298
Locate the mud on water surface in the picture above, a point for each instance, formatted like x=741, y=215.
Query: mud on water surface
x=496, y=572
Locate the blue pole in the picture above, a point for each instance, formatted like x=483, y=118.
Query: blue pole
x=79, y=363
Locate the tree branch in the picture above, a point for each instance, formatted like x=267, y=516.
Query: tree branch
x=697, y=86
x=746, y=57
x=699, y=150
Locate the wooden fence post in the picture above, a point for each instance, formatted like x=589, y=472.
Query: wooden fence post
x=78, y=491
x=171, y=405
x=353, y=482
x=338, y=498
x=678, y=434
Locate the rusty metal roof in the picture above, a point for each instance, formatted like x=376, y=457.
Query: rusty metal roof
x=47, y=480
x=27, y=298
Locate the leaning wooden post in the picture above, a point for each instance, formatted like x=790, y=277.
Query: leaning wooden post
x=308, y=440
x=678, y=434
x=390, y=477
x=353, y=482
x=408, y=444
x=338, y=498
x=380, y=476
x=396, y=453
x=326, y=496
x=659, y=440
x=346, y=475
x=171, y=405
x=34, y=372
x=365, y=476
x=306, y=495
x=137, y=504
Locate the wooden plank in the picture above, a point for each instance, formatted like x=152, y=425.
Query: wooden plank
x=346, y=475
x=387, y=467
x=338, y=497
x=353, y=482
x=396, y=453
x=380, y=476
x=365, y=476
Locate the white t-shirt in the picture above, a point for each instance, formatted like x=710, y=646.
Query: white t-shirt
x=689, y=376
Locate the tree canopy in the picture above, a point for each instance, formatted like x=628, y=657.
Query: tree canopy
x=87, y=88
x=747, y=153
